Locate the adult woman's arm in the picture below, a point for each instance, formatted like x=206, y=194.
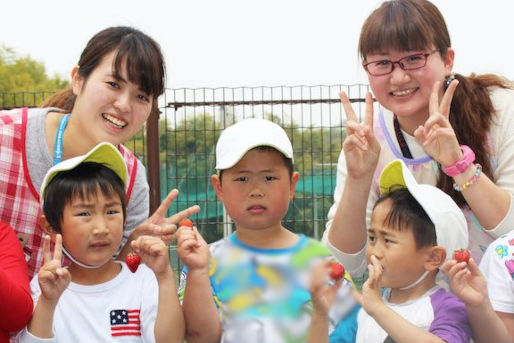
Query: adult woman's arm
x=490, y=203
x=347, y=232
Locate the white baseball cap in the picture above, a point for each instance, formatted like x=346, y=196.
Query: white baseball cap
x=236, y=140
x=451, y=228
x=104, y=153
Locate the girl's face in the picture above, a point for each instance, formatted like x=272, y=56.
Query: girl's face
x=407, y=92
x=107, y=108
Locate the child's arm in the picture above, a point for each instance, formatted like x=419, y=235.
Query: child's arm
x=322, y=295
x=202, y=319
x=53, y=280
x=399, y=329
x=169, y=323
x=471, y=287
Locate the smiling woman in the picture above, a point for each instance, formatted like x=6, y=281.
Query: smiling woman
x=115, y=86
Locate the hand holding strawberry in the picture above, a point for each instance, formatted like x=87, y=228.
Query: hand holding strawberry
x=323, y=291
x=192, y=248
x=154, y=253
x=466, y=281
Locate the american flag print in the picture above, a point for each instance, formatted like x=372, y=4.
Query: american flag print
x=125, y=323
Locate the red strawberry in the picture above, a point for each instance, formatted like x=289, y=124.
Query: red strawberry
x=461, y=255
x=185, y=222
x=132, y=260
x=336, y=270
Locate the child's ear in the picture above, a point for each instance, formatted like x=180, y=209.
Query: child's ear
x=436, y=257
x=45, y=225
x=294, y=180
x=216, y=185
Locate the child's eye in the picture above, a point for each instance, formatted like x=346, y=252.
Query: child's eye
x=371, y=238
x=113, y=84
x=82, y=214
x=269, y=178
x=112, y=212
x=242, y=179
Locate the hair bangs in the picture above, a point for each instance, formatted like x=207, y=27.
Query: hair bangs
x=143, y=64
x=403, y=26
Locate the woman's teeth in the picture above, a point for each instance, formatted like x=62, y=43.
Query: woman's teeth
x=115, y=121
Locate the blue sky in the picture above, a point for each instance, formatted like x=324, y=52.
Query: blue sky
x=249, y=43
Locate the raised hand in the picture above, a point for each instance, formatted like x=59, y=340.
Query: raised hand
x=161, y=226
x=371, y=296
x=192, y=248
x=436, y=135
x=154, y=253
x=361, y=148
x=53, y=278
x=466, y=281
x=322, y=291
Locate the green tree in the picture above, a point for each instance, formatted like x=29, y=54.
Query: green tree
x=23, y=80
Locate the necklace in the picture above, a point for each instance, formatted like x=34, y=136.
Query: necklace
x=401, y=140
x=58, y=138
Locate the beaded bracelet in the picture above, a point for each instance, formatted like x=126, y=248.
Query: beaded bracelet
x=471, y=181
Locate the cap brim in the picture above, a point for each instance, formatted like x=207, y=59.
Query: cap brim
x=103, y=153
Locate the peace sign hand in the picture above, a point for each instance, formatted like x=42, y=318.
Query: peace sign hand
x=360, y=147
x=53, y=278
x=437, y=135
x=161, y=226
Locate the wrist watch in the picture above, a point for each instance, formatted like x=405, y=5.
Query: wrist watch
x=468, y=157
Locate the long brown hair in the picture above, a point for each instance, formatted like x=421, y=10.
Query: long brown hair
x=406, y=25
x=144, y=63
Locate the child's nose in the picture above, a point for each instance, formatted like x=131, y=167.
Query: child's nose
x=256, y=191
x=100, y=226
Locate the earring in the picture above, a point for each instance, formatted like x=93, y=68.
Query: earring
x=449, y=80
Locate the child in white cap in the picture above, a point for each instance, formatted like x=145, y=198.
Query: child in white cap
x=253, y=285
x=414, y=229
x=96, y=298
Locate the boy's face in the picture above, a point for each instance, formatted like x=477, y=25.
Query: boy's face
x=257, y=190
x=402, y=262
x=92, y=228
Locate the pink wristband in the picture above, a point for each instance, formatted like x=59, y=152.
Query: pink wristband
x=468, y=157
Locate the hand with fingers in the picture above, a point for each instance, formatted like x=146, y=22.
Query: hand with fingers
x=466, y=281
x=371, y=297
x=154, y=253
x=323, y=292
x=192, y=248
x=360, y=147
x=53, y=278
x=161, y=226
x=436, y=135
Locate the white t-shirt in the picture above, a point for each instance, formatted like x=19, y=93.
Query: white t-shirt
x=123, y=309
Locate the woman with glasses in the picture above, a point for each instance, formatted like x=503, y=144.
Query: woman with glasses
x=452, y=131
